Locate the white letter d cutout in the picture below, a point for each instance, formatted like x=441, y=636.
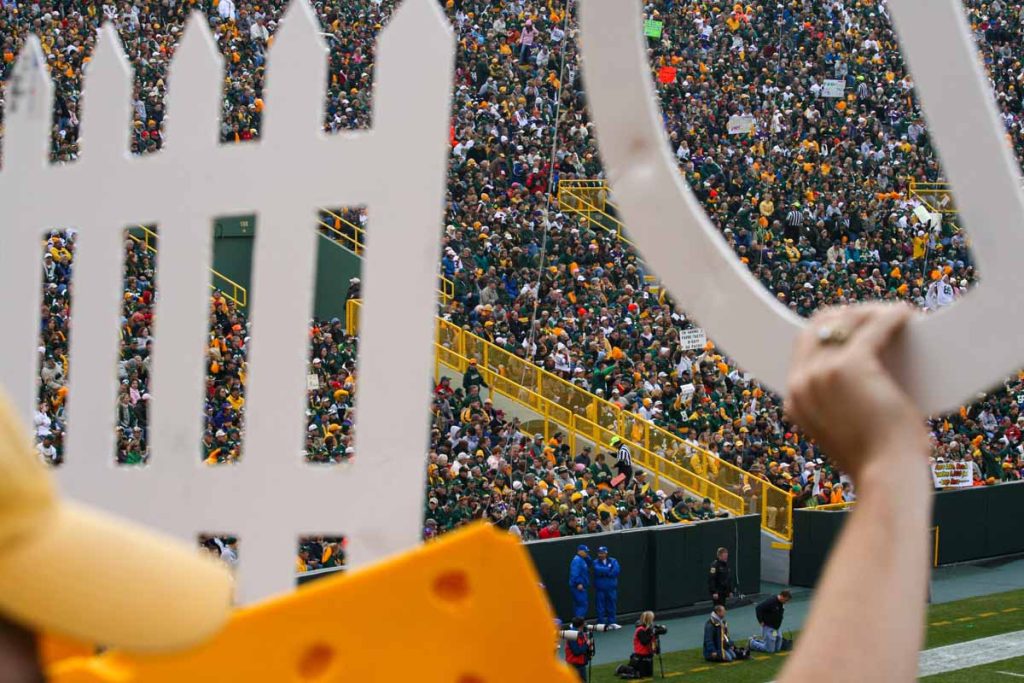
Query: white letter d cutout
x=946, y=357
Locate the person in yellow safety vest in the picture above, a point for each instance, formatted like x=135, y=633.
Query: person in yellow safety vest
x=712, y=465
x=838, y=496
x=920, y=244
x=698, y=463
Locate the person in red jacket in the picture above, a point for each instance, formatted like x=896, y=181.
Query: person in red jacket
x=551, y=530
x=645, y=646
x=578, y=650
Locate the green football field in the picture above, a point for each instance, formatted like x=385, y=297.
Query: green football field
x=949, y=623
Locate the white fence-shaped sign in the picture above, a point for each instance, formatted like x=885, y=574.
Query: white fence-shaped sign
x=397, y=169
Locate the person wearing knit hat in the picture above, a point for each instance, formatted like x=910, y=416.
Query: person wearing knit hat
x=171, y=599
x=472, y=376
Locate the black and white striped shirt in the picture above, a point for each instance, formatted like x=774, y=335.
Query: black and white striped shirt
x=624, y=457
x=795, y=218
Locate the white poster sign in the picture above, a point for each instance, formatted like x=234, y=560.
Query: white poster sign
x=922, y=213
x=693, y=339
x=952, y=475
x=833, y=88
x=312, y=382
x=927, y=218
x=740, y=125
x=686, y=391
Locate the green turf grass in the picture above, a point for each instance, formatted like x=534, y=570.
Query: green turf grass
x=952, y=622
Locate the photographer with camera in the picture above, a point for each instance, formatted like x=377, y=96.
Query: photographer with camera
x=646, y=644
x=579, y=647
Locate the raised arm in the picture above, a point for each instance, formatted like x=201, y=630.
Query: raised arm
x=842, y=394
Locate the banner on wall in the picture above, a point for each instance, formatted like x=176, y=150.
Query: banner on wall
x=952, y=475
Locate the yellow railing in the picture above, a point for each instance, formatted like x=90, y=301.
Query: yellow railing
x=597, y=420
x=356, y=243
x=352, y=316
x=938, y=197
x=446, y=288
x=222, y=283
x=589, y=199
x=833, y=506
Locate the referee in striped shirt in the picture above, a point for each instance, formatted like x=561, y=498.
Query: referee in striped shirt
x=794, y=221
x=624, y=459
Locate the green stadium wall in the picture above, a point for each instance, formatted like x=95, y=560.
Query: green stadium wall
x=663, y=568
x=973, y=524
x=232, y=256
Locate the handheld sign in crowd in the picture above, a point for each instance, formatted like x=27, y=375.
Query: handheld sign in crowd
x=653, y=28
x=929, y=220
x=833, y=88
x=692, y=339
x=740, y=125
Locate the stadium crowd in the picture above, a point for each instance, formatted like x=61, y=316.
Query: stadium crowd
x=815, y=200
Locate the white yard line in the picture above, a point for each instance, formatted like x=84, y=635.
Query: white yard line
x=972, y=653
x=939, y=660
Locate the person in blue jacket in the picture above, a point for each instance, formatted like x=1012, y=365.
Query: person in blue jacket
x=579, y=580
x=718, y=647
x=606, y=588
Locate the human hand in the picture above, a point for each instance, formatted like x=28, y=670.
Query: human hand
x=842, y=394
x=579, y=586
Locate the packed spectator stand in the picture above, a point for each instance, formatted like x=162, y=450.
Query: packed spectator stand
x=815, y=200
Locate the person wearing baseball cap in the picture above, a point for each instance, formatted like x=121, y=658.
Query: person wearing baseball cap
x=623, y=459
x=579, y=580
x=606, y=588
x=76, y=572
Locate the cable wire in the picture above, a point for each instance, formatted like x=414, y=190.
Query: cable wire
x=531, y=337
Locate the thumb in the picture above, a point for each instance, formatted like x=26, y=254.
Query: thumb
x=882, y=326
